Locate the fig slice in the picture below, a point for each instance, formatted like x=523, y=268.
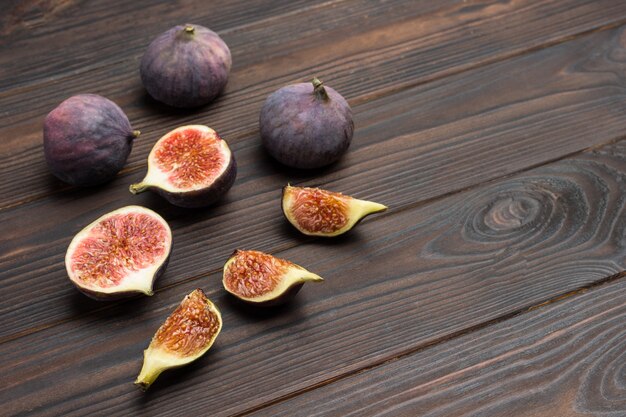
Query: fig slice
x=191, y=166
x=186, y=335
x=119, y=254
x=317, y=212
x=263, y=279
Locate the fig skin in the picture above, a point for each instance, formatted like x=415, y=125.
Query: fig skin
x=186, y=66
x=87, y=139
x=306, y=125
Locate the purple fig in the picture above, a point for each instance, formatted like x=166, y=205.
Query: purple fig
x=87, y=139
x=186, y=66
x=306, y=125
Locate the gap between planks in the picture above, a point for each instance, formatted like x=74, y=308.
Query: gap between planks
x=442, y=339
x=401, y=209
x=365, y=98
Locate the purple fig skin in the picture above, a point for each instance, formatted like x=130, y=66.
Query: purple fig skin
x=206, y=196
x=186, y=66
x=87, y=139
x=305, y=127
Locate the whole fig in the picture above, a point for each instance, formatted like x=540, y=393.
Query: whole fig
x=306, y=125
x=87, y=139
x=186, y=66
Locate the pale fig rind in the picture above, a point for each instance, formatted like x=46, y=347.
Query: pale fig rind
x=201, y=196
x=134, y=282
x=159, y=357
x=288, y=281
x=354, y=210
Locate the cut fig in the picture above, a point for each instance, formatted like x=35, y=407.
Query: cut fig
x=317, y=212
x=120, y=254
x=191, y=166
x=263, y=279
x=186, y=335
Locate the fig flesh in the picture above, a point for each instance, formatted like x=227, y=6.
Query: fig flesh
x=263, y=279
x=317, y=212
x=120, y=254
x=306, y=125
x=87, y=139
x=186, y=66
x=186, y=335
x=191, y=166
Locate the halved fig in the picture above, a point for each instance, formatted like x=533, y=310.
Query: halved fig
x=263, y=279
x=191, y=166
x=120, y=254
x=317, y=212
x=186, y=335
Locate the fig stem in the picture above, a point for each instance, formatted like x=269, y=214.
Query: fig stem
x=140, y=187
x=136, y=133
x=189, y=29
x=319, y=90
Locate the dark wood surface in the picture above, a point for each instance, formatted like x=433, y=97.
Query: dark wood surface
x=492, y=129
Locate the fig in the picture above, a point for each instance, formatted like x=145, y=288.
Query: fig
x=191, y=166
x=120, y=254
x=87, y=139
x=186, y=335
x=186, y=66
x=317, y=212
x=262, y=279
x=306, y=125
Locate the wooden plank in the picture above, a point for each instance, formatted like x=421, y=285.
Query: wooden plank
x=565, y=359
x=402, y=280
x=569, y=100
x=102, y=33
x=362, y=51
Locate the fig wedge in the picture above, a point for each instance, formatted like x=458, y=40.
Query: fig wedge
x=262, y=279
x=317, y=212
x=191, y=166
x=186, y=335
x=119, y=254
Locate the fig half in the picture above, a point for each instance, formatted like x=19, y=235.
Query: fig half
x=317, y=212
x=263, y=279
x=186, y=335
x=119, y=254
x=191, y=166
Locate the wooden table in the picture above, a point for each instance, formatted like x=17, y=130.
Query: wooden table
x=493, y=286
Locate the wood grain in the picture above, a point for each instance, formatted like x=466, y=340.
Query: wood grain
x=360, y=49
x=402, y=280
x=512, y=115
x=565, y=359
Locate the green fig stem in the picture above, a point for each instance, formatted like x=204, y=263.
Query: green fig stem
x=319, y=90
x=190, y=29
x=136, y=133
x=140, y=187
x=147, y=376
